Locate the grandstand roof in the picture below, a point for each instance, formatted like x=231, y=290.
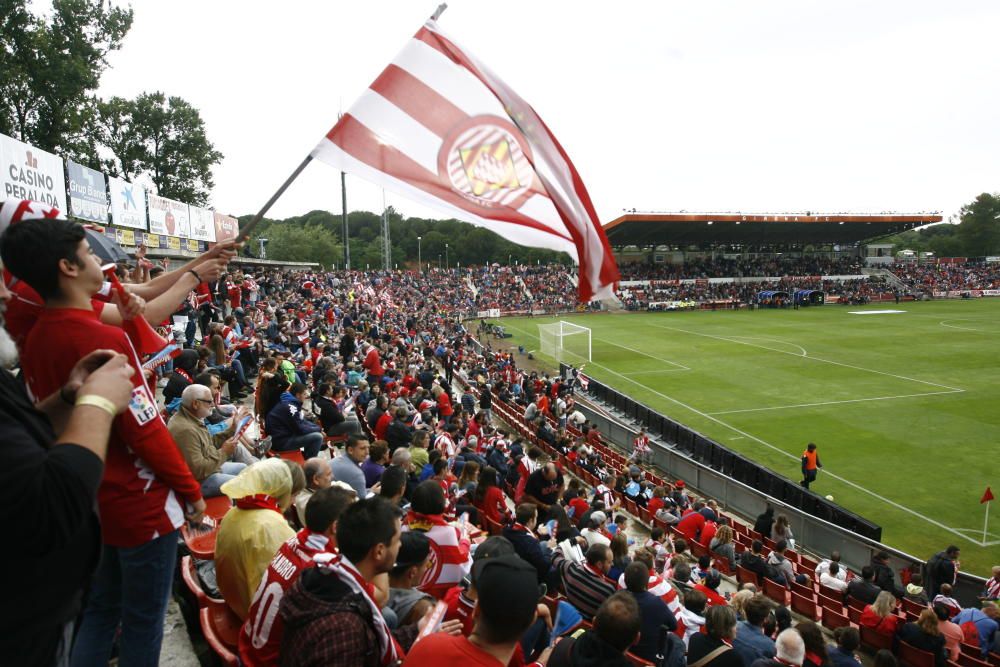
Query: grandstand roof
x=680, y=229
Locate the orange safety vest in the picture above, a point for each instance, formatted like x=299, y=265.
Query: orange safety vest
x=810, y=458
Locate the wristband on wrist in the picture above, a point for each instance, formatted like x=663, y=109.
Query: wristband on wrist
x=97, y=402
x=195, y=274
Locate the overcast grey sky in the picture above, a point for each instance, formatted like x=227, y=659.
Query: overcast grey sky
x=711, y=106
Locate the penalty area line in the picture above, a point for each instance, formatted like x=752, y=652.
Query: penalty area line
x=858, y=487
x=851, y=400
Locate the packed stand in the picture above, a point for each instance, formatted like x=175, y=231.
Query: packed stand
x=930, y=278
x=396, y=493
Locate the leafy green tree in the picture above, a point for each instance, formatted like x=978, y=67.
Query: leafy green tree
x=49, y=67
x=162, y=138
x=299, y=243
x=979, y=231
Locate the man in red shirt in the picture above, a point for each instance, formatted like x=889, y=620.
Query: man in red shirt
x=260, y=637
x=506, y=607
x=373, y=364
x=145, y=480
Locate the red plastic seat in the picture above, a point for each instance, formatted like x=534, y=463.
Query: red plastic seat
x=221, y=628
x=493, y=527
x=293, y=455
x=200, y=542
x=970, y=649
x=834, y=619
x=909, y=655
x=874, y=641
x=966, y=660
x=637, y=661
x=831, y=593
x=775, y=591
x=217, y=506
x=745, y=576
x=190, y=576
x=805, y=606
x=721, y=564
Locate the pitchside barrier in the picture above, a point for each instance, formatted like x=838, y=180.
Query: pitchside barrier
x=746, y=488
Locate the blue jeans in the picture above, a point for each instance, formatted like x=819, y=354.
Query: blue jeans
x=311, y=443
x=211, y=485
x=131, y=588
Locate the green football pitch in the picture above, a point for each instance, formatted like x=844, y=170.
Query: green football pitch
x=905, y=407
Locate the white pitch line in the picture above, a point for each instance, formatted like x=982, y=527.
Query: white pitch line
x=680, y=367
x=709, y=417
x=852, y=400
x=826, y=361
x=955, y=326
x=665, y=370
x=774, y=340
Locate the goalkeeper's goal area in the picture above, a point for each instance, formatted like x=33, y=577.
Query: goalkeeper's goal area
x=565, y=340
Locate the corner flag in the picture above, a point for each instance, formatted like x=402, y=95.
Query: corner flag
x=987, y=497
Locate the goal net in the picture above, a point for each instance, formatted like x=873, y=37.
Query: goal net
x=565, y=341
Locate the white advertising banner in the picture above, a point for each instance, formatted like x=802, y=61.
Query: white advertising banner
x=88, y=193
x=128, y=203
x=168, y=217
x=202, y=223
x=27, y=172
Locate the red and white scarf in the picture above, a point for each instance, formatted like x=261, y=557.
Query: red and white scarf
x=340, y=567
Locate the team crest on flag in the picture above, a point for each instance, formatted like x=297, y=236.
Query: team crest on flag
x=485, y=162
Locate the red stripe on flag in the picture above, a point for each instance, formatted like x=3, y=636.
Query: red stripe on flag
x=355, y=139
x=418, y=100
x=608, y=270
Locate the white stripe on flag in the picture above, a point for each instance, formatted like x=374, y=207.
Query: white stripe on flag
x=394, y=127
x=331, y=154
x=453, y=82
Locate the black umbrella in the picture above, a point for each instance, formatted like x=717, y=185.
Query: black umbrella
x=107, y=250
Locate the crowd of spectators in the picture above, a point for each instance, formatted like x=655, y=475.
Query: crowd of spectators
x=352, y=531
x=757, y=266
x=929, y=278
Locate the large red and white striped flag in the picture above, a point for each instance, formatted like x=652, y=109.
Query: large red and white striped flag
x=437, y=126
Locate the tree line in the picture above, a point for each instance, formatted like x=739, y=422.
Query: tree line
x=974, y=232
x=317, y=236
x=50, y=67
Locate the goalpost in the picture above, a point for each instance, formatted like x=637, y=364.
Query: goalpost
x=562, y=339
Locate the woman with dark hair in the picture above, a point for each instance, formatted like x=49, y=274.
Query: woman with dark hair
x=331, y=418
x=488, y=498
x=815, y=643
x=183, y=375
x=714, y=648
x=619, y=551
x=764, y=522
x=842, y=655
x=925, y=635
x=232, y=371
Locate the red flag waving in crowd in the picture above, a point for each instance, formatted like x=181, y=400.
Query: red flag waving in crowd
x=438, y=127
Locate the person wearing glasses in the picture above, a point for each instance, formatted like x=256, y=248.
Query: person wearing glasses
x=206, y=455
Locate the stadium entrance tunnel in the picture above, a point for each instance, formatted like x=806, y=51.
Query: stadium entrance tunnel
x=810, y=297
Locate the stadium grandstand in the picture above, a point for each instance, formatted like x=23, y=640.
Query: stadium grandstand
x=299, y=413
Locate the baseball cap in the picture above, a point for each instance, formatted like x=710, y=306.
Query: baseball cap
x=508, y=590
x=414, y=548
x=679, y=484
x=599, y=517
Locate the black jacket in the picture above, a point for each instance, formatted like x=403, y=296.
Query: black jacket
x=588, y=650
x=47, y=496
x=862, y=590
x=912, y=634
x=329, y=414
x=528, y=548
x=398, y=434
x=701, y=645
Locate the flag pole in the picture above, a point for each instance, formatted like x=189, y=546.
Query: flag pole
x=439, y=11
x=245, y=232
x=986, y=521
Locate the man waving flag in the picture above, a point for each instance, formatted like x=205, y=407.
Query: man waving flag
x=437, y=126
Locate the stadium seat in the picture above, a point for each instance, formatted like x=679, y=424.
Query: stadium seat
x=808, y=564
x=221, y=628
x=966, y=660
x=698, y=549
x=971, y=649
x=803, y=590
x=293, y=455
x=834, y=619
x=189, y=574
x=722, y=564
x=200, y=542
x=914, y=607
x=909, y=655
x=775, y=591
x=745, y=576
x=854, y=614
x=217, y=506
x=833, y=604
x=873, y=642
x=493, y=527
x=831, y=593
x=994, y=659
x=805, y=606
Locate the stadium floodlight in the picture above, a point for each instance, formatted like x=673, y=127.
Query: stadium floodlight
x=561, y=340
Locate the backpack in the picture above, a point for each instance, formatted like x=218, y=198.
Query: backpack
x=970, y=633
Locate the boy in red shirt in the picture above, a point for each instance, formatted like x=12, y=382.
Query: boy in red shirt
x=146, y=483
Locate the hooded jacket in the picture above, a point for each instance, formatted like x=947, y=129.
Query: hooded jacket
x=286, y=420
x=328, y=624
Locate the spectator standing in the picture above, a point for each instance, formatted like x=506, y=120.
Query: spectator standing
x=810, y=465
x=942, y=568
x=764, y=522
x=981, y=624
x=953, y=635
x=544, y=488
x=145, y=477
